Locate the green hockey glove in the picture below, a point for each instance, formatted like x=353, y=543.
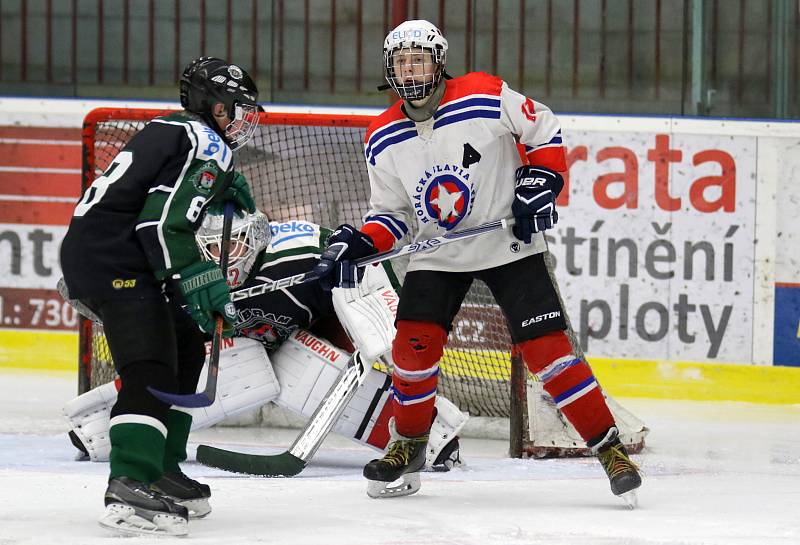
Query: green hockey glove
x=239, y=192
x=207, y=294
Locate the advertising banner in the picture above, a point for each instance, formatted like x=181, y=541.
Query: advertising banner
x=658, y=252
x=655, y=246
x=39, y=185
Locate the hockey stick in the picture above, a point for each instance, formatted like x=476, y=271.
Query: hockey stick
x=291, y=462
x=206, y=397
x=414, y=247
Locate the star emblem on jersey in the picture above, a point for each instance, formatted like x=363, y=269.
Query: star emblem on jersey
x=444, y=195
x=446, y=202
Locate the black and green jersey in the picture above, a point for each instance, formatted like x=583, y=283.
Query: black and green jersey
x=134, y=226
x=272, y=317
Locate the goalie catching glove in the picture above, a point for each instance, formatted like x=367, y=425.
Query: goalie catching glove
x=534, y=205
x=206, y=294
x=335, y=267
x=237, y=191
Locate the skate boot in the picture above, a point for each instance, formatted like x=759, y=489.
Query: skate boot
x=622, y=473
x=132, y=507
x=185, y=491
x=449, y=458
x=404, y=459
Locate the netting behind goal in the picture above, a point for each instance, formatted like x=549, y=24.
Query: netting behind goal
x=311, y=167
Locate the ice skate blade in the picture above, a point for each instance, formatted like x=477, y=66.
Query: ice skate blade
x=123, y=519
x=630, y=498
x=380, y=489
x=198, y=508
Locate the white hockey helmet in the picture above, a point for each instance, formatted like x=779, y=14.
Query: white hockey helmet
x=249, y=236
x=408, y=70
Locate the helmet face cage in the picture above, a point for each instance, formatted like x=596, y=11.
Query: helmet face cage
x=242, y=126
x=413, y=71
x=249, y=236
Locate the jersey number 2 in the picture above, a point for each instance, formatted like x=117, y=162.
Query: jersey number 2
x=114, y=172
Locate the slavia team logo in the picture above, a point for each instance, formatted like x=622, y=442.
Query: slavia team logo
x=205, y=178
x=447, y=200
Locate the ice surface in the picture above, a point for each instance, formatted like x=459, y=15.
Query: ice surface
x=715, y=473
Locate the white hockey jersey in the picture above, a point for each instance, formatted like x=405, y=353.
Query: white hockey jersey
x=456, y=170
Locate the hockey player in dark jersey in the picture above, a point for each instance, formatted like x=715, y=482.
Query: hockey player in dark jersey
x=130, y=256
x=284, y=322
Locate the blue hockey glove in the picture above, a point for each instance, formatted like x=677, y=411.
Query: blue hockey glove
x=335, y=267
x=534, y=206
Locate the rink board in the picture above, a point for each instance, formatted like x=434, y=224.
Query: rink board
x=58, y=351
x=756, y=270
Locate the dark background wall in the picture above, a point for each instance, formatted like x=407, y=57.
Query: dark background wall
x=615, y=56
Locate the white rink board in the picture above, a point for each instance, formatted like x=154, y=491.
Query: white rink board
x=650, y=264
x=670, y=307
x=29, y=259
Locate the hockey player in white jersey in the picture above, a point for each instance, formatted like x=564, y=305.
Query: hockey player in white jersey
x=290, y=347
x=455, y=153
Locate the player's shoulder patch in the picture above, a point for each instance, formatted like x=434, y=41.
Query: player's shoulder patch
x=473, y=83
x=390, y=116
x=211, y=146
x=391, y=127
x=207, y=144
x=293, y=234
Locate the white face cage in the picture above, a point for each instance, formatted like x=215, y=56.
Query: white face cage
x=414, y=71
x=241, y=129
x=249, y=236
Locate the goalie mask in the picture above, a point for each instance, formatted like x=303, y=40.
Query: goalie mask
x=249, y=236
x=209, y=80
x=414, y=57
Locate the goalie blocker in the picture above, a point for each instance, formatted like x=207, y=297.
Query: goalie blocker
x=296, y=378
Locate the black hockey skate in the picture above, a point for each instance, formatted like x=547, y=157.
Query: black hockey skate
x=622, y=473
x=186, y=492
x=448, y=458
x=404, y=459
x=132, y=507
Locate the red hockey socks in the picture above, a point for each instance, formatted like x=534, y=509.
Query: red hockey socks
x=416, y=351
x=570, y=382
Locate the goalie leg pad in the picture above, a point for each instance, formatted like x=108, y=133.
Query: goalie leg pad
x=416, y=351
x=89, y=415
x=306, y=367
x=366, y=418
x=570, y=382
x=367, y=312
x=445, y=428
x=246, y=380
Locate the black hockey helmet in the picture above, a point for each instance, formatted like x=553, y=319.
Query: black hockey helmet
x=208, y=80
